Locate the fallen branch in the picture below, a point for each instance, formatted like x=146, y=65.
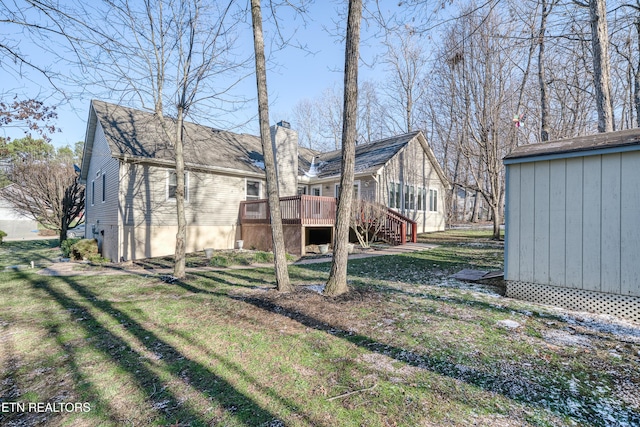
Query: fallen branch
x=351, y=392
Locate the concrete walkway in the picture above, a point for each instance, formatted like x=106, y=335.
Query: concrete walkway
x=76, y=269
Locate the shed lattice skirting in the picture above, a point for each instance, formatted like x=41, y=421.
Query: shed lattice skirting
x=623, y=306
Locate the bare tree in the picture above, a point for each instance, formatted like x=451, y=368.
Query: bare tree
x=405, y=85
x=368, y=219
x=277, y=234
x=601, y=65
x=307, y=122
x=163, y=56
x=337, y=283
x=29, y=115
x=47, y=190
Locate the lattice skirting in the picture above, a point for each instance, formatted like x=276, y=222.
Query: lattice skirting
x=623, y=306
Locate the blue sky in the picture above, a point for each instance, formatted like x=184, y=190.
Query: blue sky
x=296, y=75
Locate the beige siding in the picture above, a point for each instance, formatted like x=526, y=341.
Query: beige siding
x=144, y=242
x=103, y=216
x=574, y=223
x=213, y=200
x=412, y=167
x=149, y=218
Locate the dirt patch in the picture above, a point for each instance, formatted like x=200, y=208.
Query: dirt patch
x=308, y=307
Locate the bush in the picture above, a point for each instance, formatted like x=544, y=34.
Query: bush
x=85, y=249
x=219, y=261
x=263, y=257
x=2, y=235
x=66, y=245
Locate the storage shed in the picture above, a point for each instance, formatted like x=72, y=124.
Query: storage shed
x=573, y=223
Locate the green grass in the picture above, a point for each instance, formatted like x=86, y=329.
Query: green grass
x=407, y=346
x=220, y=258
x=22, y=252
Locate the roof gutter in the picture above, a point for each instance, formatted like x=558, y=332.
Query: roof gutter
x=191, y=166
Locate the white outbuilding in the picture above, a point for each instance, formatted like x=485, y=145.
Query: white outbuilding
x=572, y=220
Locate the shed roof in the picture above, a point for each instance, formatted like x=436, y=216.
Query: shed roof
x=624, y=140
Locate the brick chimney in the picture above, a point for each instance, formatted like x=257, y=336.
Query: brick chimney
x=285, y=150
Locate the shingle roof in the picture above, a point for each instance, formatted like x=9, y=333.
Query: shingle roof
x=369, y=157
x=608, y=140
x=138, y=134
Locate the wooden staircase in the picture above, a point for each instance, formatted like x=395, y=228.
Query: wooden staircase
x=396, y=229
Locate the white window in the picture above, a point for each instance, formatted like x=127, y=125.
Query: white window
x=408, y=197
x=422, y=197
x=253, y=190
x=433, y=200
x=356, y=190
x=392, y=195
x=302, y=189
x=316, y=190
x=172, y=185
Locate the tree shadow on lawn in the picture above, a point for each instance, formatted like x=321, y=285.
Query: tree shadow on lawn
x=508, y=380
x=167, y=405
x=30, y=250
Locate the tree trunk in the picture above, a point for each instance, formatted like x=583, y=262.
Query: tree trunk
x=601, y=71
x=337, y=283
x=277, y=234
x=637, y=77
x=544, y=100
x=497, y=218
x=181, y=234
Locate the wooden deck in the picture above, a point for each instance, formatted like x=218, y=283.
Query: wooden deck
x=295, y=210
x=306, y=210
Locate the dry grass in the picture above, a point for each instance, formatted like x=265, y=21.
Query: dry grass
x=407, y=346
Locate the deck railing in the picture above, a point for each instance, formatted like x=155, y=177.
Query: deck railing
x=398, y=227
x=319, y=210
x=302, y=210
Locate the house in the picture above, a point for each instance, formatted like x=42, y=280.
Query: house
x=16, y=224
x=572, y=233
x=128, y=168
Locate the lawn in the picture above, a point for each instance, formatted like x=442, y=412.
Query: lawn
x=408, y=346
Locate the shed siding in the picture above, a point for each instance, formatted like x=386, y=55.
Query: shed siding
x=574, y=223
x=591, y=228
x=557, y=221
x=610, y=237
x=573, y=220
x=527, y=225
x=541, y=222
x=630, y=219
x=512, y=226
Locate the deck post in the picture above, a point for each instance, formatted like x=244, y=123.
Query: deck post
x=403, y=233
